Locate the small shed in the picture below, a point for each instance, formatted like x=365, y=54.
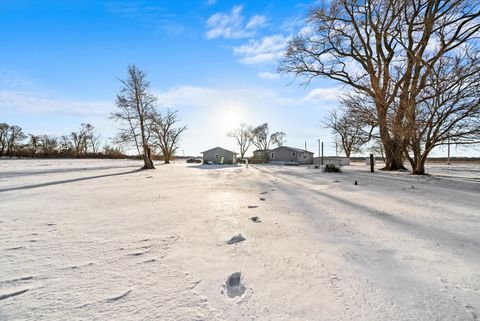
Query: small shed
x=219, y=155
x=260, y=156
x=290, y=155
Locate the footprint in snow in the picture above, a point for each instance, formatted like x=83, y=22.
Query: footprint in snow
x=252, y=206
x=121, y=296
x=236, y=239
x=262, y=199
x=234, y=285
x=263, y=193
x=255, y=219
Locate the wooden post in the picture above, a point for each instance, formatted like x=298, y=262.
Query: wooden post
x=372, y=163
x=322, y=153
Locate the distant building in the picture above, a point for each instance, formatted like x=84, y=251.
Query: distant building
x=290, y=155
x=260, y=156
x=335, y=160
x=219, y=155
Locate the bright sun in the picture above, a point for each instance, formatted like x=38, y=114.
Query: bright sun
x=230, y=117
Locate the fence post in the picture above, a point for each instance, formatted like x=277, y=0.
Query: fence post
x=372, y=163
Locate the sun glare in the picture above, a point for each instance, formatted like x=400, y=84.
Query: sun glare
x=230, y=116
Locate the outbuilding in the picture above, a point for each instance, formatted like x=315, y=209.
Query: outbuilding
x=219, y=155
x=290, y=155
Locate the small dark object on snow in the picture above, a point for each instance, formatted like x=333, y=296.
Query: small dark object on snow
x=262, y=199
x=332, y=168
x=236, y=239
x=255, y=219
x=252, y=206
x=356, y=183
x=412, y=187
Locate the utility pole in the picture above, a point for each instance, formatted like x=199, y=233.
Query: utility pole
x=318, y=140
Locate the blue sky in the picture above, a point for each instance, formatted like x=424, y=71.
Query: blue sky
x=214, y=61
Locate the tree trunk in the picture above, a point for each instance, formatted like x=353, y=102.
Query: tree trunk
x=393, y=148
x=147, y=160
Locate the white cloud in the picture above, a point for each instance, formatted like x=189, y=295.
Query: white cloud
x=256, y=21
x=266, y=50
x=323, y=95
x=231, y=25
x=35, y=102
x=268, y=75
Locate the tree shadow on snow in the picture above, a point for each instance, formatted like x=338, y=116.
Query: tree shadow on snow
x=215, y=166
x=67, y=181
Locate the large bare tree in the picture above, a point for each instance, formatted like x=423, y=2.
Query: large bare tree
x=135, y=105
x=385, y=49
x=447, y=110
x=242, y=136
x=166, y=133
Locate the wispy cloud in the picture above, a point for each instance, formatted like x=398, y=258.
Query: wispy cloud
x=210, y=2
x=35, y=102
x=329, y=94
x=157, y=16
x=231, y=25
x=256, y=21
x=266, y=50
x=268, y=75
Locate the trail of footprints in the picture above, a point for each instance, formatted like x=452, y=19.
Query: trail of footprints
x=234, y=286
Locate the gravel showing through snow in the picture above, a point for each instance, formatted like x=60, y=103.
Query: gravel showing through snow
x=102, y=240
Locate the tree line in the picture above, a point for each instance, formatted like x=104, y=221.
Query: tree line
x=411, y=70
x=260, y=137
x=84, y=142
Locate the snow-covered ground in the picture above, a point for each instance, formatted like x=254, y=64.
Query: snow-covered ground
x=102, y=240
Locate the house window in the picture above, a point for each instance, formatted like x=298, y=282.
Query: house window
x=216, y=156
x=294, y=154
x=273, y=155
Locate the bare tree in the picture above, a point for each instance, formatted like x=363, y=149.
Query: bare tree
x=48, y=145
x=448, y=109
x=242, y=136
x=260, y=137
x=384, y=49
x=278, y=138
x=352, y=123
x=33, y=145
x=79, y=139
x=65, y=146
x=95, y=140
x=3, y=137
x=88, y=129
x=15, y=136
x=166, y=133
x=136, y=104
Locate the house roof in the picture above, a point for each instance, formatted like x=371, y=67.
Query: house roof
x=298, y=150
x=218, y=148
